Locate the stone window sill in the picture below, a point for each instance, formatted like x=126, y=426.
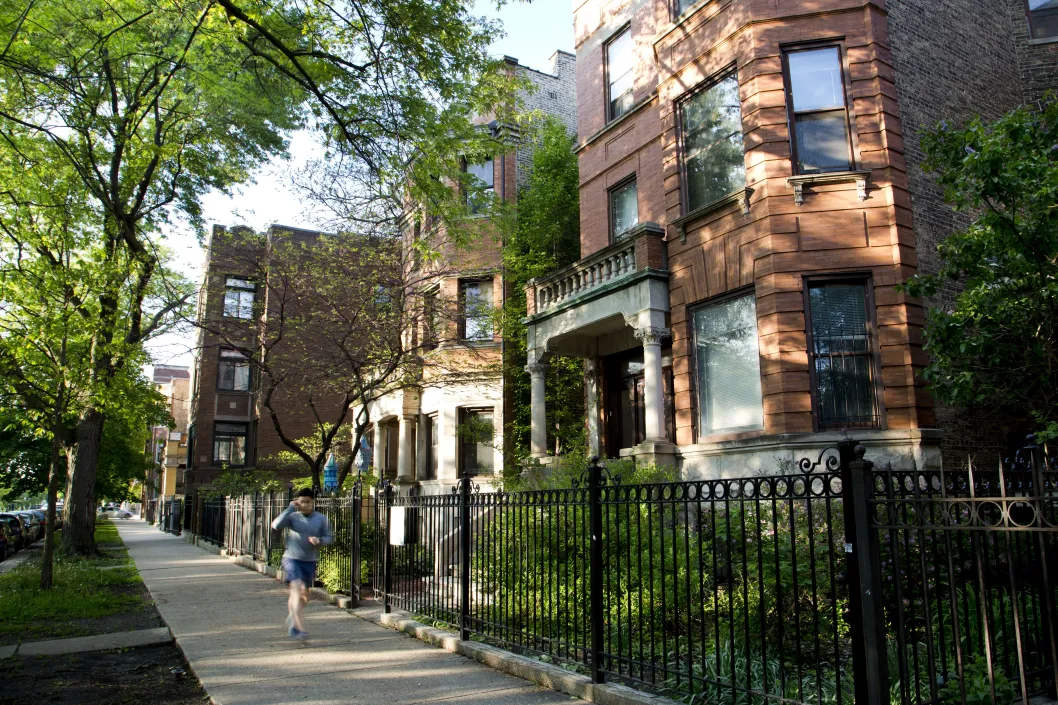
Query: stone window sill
x=1043, y=40
x=833, y=177
x=740, y=197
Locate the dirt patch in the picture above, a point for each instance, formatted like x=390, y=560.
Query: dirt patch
x=101, y=678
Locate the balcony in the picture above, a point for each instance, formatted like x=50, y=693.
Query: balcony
x=642, y=249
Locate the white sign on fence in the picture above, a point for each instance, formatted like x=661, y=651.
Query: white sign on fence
x=396, y=526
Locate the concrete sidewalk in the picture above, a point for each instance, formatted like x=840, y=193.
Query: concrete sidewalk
x=229, y=623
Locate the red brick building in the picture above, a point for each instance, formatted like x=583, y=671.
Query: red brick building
x=751, y=196
x=228, y=427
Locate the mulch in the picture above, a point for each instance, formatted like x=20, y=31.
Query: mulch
x=119, y=677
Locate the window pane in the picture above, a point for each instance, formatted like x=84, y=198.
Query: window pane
x=238, y=450
x=822, y=142
x=713, y=159
x=221, y=450
x=223, y=428
x=477, y=310
x=236, y=283
x=242, y=377
x=619, y=67
x=729, y=394
x=477, y=439
x=842, y=353
x=483, y=172
x=815, y=79
x=1043, y=18
x=624, y=208
x=238, y=303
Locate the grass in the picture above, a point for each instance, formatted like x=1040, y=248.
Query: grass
x=81, y=591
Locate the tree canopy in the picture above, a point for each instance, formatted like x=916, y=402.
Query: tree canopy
x=996, y=344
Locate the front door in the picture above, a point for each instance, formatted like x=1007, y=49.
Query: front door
x=624, y=397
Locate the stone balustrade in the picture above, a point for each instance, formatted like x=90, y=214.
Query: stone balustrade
x=642, y=248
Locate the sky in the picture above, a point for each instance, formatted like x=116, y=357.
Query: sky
x=533, y=32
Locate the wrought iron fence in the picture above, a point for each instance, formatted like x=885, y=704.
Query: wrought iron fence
x=840, y=584
x=969, y=560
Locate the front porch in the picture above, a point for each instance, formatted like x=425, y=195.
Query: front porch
x=611, y=309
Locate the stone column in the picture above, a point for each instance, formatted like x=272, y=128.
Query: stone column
x=538, y=406
x=654, y=390
x=591, y=390
x=378, y=451
x=405, y=472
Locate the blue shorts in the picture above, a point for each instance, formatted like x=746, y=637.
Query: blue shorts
x=305, y=571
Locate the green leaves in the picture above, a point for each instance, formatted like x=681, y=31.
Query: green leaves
x=996, y=344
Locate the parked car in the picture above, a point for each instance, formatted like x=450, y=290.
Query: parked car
x=3, y=541
x=15, y=536
x=33, y=525
x=42, y=517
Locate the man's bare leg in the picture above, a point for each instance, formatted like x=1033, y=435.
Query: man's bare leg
x=294, y=603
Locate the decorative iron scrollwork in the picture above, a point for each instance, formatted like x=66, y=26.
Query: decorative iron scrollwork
x=474, y=488
x=833, y=462
x=607, y=477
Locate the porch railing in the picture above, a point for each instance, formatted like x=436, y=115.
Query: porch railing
x=640, y=249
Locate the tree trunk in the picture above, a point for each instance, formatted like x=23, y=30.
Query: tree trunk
x=79, y=527
x=49, y=530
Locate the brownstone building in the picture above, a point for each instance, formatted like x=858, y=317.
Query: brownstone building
x=751, y=196
x=415, y=432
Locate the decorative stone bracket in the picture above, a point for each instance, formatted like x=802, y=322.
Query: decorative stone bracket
x=836, y=177
x=741, y=197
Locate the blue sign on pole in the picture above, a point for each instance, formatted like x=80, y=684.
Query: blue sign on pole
x=330, y=475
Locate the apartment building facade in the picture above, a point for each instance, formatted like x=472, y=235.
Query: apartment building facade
x=752, y=193
x=228, y=427
x=426, y=435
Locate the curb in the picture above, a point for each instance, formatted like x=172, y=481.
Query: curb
x=545, y=674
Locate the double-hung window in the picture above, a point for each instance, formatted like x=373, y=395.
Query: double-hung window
x=841, y=354
x=482, y=176
x=430, y=429
x=713, y=161
x=728, y=366
x=624, y=208
x=233, y=371
x=476, y=440
x=620, y=74
x=476, y=304
x=818, y=112
x=229, y=443
x=238, y=298
x=1043, y=19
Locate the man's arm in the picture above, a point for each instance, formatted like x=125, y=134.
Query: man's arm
x=284, y=518
x=326, y=537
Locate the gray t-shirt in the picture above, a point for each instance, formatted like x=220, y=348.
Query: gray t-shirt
x=301, y=527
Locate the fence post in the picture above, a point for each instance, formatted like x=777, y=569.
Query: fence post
x=464, y=557
x=354, y=543
x=595, y=597
x=387, y=550
x=870, y=665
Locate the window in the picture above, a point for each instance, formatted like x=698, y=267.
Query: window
x=229, y=443
x=1043, y=19
x=431, y=320
x=238, y=298
x=233, y=371
x=819, y=118
x=430, y=429
x=713, y=160
x=483, y=176
x=619, y=74
x=476, y=303
x=624, y=208
x=841, y=355
x=728, y=366
x=476, y=441
x=683, y=5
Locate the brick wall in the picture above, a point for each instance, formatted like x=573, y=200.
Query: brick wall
x=951, y=67
x=1037, y=60
x=554, y=93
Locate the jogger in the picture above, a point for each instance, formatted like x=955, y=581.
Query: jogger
x=308, y=529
